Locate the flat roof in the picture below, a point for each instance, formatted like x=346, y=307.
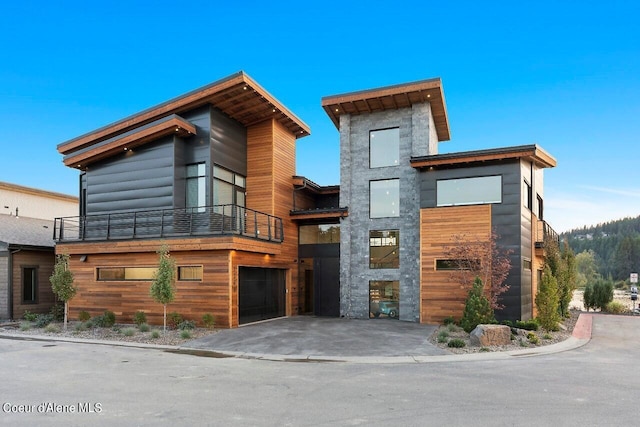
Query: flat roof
x=391, y=98
x=531, y=152
x=238, y=96
x=37, y=192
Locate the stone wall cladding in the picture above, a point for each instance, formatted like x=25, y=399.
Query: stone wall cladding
x=355, y=174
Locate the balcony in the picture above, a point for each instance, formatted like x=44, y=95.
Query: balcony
x=202, y=221
x=545, y=234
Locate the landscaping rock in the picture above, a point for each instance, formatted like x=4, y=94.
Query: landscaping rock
x=490, y=335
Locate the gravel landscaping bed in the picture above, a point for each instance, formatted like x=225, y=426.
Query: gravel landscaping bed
x=117, y=333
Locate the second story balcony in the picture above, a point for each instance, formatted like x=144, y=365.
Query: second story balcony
x=545, y=234
x=204, y=221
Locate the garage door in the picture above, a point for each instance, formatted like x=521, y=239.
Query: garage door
x=261, y=294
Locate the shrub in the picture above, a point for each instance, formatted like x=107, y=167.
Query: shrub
x=533, y=338
x=155, y=334
x=185, y=335
x=29, y=316
x=449, y=320
x=598, y=294
x=456, y=343
x=83, y=316
x=477, y=308
x=57, y=311
x=129, y=332
x=528, y=325
x=139, y=318
x=174, y=319
x=25, y=326
x=187, y=325
x=81, y=327
x=547, y=337
x=105, y=320
x=43, y=320
x=208, y=320
x=452, y=327
x=51, y=328
x=144, y=327
x=442, y=336
x=615, y=307
x=508, y=323
x=485, y=349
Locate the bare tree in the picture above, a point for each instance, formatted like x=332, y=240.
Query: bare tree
x=471, y=257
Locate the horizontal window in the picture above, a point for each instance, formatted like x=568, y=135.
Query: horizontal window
x=469, y=191
x=319, y=234
x=457, y=264
x=126, y=273
x=190, y=272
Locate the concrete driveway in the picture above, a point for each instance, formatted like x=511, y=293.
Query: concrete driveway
x=317, y=337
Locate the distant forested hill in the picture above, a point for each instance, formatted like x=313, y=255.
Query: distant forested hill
x=616, y=245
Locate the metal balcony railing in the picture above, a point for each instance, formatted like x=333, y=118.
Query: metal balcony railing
x=545, y=234
x=200, y=221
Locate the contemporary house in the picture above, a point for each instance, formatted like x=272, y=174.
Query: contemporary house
x=212, y=175
x=407, y=204
x=27, y=247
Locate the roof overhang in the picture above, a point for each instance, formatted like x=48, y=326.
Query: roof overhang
x=300, y=182
x=238, y=96
x=319, y=215
x=170, y=125
x=532, y=153
x=392, y=98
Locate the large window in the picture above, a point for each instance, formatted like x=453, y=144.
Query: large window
x=29, y=285
x=384, y=299
x=384, y=147
x=319, y=234
x=228, y=187
x=126, y=273
x=196, y=185
x=469, y=191
x=384, y=198
x=384, y=248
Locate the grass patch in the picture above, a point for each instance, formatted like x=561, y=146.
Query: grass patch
x=185, y=334
x=128, y=332
x=51, y=329
x=456, y=343
x=144, y=327
x=155, y=334
x=25, y=326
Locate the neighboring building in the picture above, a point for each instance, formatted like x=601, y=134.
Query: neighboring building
x=27, y=247
x=406, y=202
x=212, y=175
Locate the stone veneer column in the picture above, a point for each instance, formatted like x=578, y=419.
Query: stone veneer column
x=355, y=274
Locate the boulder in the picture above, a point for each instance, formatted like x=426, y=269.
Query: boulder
x=490, y=335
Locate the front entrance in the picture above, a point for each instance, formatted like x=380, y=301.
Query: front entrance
x=261, y=294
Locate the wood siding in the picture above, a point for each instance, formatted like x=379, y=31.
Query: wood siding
x=43, y=261
x=124, y=298
x=439, y=296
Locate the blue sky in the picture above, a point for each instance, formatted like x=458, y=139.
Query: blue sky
x=563, y=74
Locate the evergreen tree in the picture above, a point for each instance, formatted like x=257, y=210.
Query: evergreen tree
x=548, y=301
x=477, y=308
x=567, y=277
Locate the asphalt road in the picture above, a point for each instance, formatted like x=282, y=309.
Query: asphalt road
x=595, y=385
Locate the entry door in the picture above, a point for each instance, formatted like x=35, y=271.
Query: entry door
x=261, y=294
x=326, y=281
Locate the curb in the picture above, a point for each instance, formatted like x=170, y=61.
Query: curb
x=581, y=335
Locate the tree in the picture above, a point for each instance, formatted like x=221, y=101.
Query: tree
x=567, y=277
x=626, y=258
x=598, y=294
x=587, y=268
x=477, y=258
x=477, y=308
x=163, y=286
x=548, y=300
x=62, y=283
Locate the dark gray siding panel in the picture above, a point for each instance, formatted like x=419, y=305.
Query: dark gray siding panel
x=196, y=147
x=228, y=143
x=138, y=180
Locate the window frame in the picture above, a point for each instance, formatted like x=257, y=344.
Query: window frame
x=394, y=265
x=198, y=279
x=378, y=157
x=371, y=183
x=200, y=178
x=439, y=191
x=124, y=274
x=34, y=284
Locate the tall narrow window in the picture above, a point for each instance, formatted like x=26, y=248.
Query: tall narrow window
x=196, y=185
x=29, y=285
x=384, y=147
x=384, y=198
x=527, y=195
x=384, y=248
